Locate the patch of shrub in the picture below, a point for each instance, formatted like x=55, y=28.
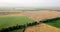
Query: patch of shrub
x=12, y=28
x=51, y=20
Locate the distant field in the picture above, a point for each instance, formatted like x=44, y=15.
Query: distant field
x=9, y=21
x=55, y=23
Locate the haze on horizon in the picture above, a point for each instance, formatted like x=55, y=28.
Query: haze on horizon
x=29, y=3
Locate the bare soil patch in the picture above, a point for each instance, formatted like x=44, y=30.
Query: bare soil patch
x=41, y=15
x=42, y=28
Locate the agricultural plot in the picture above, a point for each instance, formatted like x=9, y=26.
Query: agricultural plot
x=20, y=30
x=9, y=21
x=54, y=23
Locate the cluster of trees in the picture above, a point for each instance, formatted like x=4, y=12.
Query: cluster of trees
x=51, y=20
x=12, y=28
x=32, y=24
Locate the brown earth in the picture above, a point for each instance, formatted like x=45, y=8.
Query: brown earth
x=41, y=15
x=42, y=28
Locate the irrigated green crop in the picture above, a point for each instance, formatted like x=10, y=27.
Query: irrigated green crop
x=54, y=23
x=9, y=21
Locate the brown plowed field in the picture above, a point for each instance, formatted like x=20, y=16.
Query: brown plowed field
x=42, y=28
x=41, y=15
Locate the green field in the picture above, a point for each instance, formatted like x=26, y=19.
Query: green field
x=9, y=21
x=20, y=30
x=55, y=23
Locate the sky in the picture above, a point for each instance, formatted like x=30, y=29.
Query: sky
x=29, y=3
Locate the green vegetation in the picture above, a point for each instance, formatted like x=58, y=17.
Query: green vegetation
x=20, y=30
x=10, y=21
x=18, y=9
x=54, y=23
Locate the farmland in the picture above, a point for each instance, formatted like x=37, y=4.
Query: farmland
x=55, y=23
x=20, y=30
x=9, y=21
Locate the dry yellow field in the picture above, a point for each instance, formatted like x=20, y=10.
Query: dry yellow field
x=42, y=28
x=41, y=15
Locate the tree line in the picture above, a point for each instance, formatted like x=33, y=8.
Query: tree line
x=51, y=20
x=17, y=27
